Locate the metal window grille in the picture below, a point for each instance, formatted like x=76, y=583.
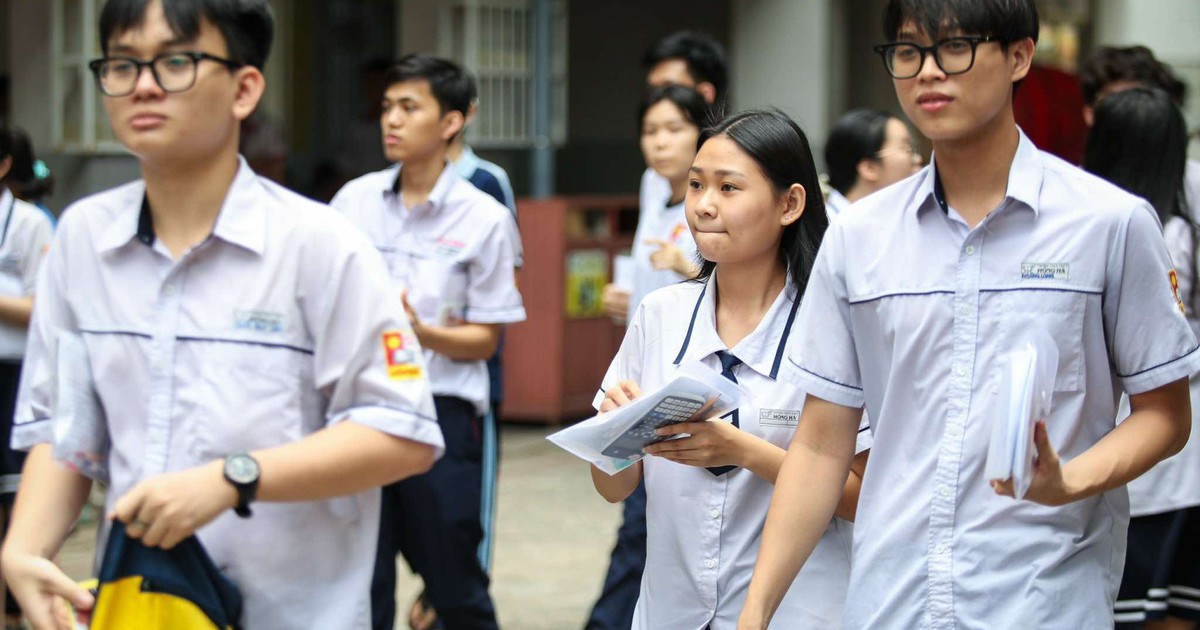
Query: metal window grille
x=78, y=123
x=494, y=40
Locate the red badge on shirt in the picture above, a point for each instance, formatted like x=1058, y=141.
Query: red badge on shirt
x=401, y=360
x=678, y=231
x=1175, y=290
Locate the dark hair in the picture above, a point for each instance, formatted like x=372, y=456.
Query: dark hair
x=1006, y=20
x=780, y=148
x=857, y=136
x=1134, y=63
x=23, y=177
x=248, y=26
x=1139, y=142
x=704, y=56
x=689, y=101
x=449, y=83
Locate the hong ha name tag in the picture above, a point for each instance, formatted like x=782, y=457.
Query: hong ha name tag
x=1045, y=271
x=778, y=417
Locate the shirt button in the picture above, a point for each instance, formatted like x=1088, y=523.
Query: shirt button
x=954, y=432
x=169, y=290
x=716, y=513
x=940, y=549
x=970, y=250
x=960, y=370
x=945, y=491
x=710, y=563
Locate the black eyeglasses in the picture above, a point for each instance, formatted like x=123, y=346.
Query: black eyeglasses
x=173, y=72
x=954, y=55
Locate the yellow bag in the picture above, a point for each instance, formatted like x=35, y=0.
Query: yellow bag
x=144, y=588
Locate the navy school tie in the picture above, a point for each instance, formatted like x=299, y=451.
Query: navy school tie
x=728, y=362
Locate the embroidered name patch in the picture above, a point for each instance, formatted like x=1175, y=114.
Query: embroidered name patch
x=778, y=417
x=400, y=356
x=259, y=321
x=1045, y=271
x=1174, y=278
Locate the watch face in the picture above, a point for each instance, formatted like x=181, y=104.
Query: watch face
x=241, y=469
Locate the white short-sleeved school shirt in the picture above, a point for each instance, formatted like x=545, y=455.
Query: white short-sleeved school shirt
x=25, y=234
x=909, y=312
x=835, y=204
x=280, y=324
x=657, y=220
x=704, y=531
x=1191, y=184
x=1174, y=484
x=455, y=254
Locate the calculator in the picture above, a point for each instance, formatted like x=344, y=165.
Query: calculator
x=671, y=409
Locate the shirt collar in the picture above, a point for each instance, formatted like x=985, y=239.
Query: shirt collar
x=467, y=163
x=762, y=349
x=437, y=196
x=241, y=221
x=1024, y=179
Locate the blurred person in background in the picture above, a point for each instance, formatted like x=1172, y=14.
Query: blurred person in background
x=867, y=150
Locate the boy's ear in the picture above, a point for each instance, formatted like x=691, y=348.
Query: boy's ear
x=868, y=170
x=452, y=123
x=1021, y=54
x=5, y=166
x=250, y=88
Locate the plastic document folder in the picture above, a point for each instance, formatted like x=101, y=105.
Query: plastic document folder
x=147, y=588
x=1026, y=392
x=614, y=440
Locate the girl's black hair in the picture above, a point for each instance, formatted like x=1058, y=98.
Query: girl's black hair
x=780, y=148
x=695, y=109
x=23, y=178
x=858, y=135
x=248, y=26
x=1139, y=142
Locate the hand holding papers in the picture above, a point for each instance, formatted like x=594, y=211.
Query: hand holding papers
x=614, y=440
x=1026, y=390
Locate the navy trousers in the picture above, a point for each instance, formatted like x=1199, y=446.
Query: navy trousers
x=434, y=521
x=614, y=609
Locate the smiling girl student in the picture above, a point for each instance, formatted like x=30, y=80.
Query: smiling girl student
x=757, y=227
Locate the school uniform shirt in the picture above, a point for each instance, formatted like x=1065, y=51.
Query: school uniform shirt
x=280, y=324
x=487, y=176
x=1191, y=186
x=1174, y=483
x=25, y=236
x=455, y=254
x=657, y=220
x=703, y=530
x=836, y=203
x=909, y=311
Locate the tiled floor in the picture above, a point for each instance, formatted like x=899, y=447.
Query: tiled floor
x=553, y=536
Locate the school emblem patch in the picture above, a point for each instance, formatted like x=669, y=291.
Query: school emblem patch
x=401, y=358
x=1174, y=278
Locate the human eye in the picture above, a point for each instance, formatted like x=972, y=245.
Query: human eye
x=694, y=184
x=727, y=187
x=955, y=46
x=176, y=63
x=905, y=52
x=118, y=68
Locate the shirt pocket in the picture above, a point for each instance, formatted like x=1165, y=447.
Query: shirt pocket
x=248, y=395
x=1060, y=312
x=438, y=290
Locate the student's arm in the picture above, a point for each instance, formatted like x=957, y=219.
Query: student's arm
x=48, y=502
x=718, y=443
x=1157, y=428
x=346, y=458
x=670, y=256
x=16, y=311
x=810, y=485
x=465, y=342
x=618, y=487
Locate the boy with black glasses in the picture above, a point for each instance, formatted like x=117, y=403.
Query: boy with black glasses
x=993, y=241
x=242, y=344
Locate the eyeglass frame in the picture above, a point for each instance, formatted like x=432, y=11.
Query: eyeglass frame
x=908, y=149
x=96, y=65
x=974, y=40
